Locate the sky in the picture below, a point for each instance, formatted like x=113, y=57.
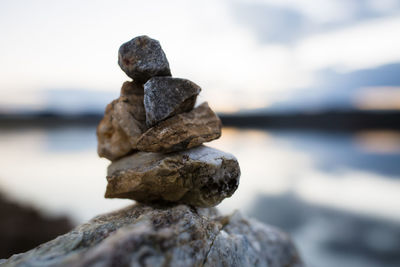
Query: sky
x=245, y=54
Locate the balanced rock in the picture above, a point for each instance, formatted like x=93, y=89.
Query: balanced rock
x=142, y=58
x=123, y=123
x=182, y=131
x=200, y=176
x=167, y=96
x=130, y=113
x=113, y=143
x=177, y=236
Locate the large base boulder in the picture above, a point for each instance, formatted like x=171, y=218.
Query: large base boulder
x=165, y=236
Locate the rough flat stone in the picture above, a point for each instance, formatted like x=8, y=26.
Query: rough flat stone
x=167, y=96
x=176, y=236
x=182, y=131
x=123, y=123
x=200, y=176
x=142, y=58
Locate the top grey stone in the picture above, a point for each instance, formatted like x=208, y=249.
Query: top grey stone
x=167, y=96
x=142, y=58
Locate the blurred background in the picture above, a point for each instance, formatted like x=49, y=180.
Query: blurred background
x=308, y=90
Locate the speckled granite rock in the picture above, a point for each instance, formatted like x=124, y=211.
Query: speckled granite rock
x=167, y=96
x=142, y=58
x=123, y=123
x=176, y=236
x=200, y=176
x=182, y=131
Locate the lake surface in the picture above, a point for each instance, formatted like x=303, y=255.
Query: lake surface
x=338, y=194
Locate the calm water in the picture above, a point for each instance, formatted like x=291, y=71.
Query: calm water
x=338, y=194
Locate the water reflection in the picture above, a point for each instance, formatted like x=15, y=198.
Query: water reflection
x=322, y=168
x=337, y=193
x=379, y=142
x=61, y=140
x=56, y=170
x=373, y=151
x=330, y=237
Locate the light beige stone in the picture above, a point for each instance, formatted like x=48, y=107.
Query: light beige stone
x=123, y=123
x=113, y=143
x=182, y=131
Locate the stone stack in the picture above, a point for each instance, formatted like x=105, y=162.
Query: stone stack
x=153, y=134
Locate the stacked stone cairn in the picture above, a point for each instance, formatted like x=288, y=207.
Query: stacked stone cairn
x=153, y=134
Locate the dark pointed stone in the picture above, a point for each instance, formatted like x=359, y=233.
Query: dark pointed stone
x=167, y=96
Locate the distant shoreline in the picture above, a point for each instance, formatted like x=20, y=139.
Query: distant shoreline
x=329, y=120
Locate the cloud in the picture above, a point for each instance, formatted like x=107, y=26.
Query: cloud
x=74, y=45
x=364, y=45
x=333, y=90
x=271, y=23
x=287, y=21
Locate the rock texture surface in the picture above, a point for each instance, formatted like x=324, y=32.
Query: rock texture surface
x=113, y=143
x=153, y=136
x=176, y=236
x=182, y=131
x=142, y=58
x=200, y=176
x=123, y=123
x=167, y=96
